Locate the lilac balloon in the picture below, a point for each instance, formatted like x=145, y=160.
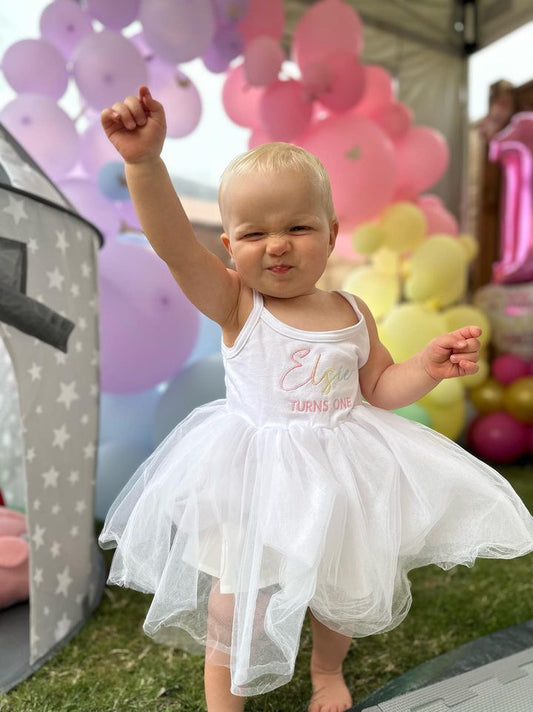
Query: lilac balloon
x=227, y=44
x=19, y=66
x=228, y=12
x=96, y=149
x=128, y=216
x=44, y=130
x=107, y=67
x=180, y=97
x=114, y=14
x=63, y=23
x=147, y=327
x=91, y=204
x=178, y=30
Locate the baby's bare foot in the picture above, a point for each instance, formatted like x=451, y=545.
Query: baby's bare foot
x=330, y=693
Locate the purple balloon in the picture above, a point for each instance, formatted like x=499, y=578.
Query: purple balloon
x=44, y=130
x=498, y=437
x=114, y=14
x=19, y=66
x=107, y=67
x=178, y=30
x=96, y=149
x=227, y=44
x=91, y=204
x=228, y=12
x=63, y=23
x=178, y=94
x=147, y=327
x=128, y=216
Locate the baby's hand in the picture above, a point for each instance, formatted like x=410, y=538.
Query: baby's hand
x=136, y=127
x=453, y=354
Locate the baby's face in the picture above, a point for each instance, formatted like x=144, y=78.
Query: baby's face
x=278, y=231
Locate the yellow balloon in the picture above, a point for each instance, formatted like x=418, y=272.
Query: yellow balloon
x=438, y=270
x=488, y=397
x=386, y=261
x=446, y=392
x=477, y=379
x=404, y=225
x=448, y=420
x=518, y=399
x=466, y=315
x=407, y=328
x=367, y=238
x=469, y=244
x=380, y=291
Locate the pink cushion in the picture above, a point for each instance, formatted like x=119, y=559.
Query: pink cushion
x=14, y=570
x=12, y=523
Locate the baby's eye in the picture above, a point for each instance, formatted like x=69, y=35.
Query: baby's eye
x=300, y=228
x=253, y=235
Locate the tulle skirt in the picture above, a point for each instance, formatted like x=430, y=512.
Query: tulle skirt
x=237, y=530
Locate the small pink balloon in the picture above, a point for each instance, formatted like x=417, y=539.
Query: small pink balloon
x=439, y=220
x=422, y=157
x=63, y=23
x=226, y=45
x=327, y=26
x=395, y=119
x=284, y=111
x=316, y=79
x=347, y=85
x=262, y=61
x=91, y=204
x=178, y=30
x=258, y=137
x=107, y=67
x=263, y=18
x=179, y=96
x=46, y=132
x=507, y=368
x=147, y=327
x=379, y=91
x=498, y=437
x=21, y=59
x=359, y=158
x=240, y=100
x=96, y=149
x=116, y=14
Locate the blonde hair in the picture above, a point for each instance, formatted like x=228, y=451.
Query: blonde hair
x=279, y=156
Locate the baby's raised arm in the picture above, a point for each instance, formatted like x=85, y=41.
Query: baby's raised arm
x=137, y=127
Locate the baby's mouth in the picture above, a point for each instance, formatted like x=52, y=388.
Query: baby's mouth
x=280, y=269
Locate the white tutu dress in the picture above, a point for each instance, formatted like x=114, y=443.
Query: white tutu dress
x=292, y=493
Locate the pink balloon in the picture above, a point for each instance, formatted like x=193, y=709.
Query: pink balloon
x=422, y=158
x=395, y=119
x=316, y=79
x=226, y=45
x=263, y=18
x=21, y=59
x=344, y=246
x=179, y=96
x=91, y=204
x=430, y=200
x=63, y=23
x=379, y=91
x=147, y=327
x=439, y=220
x=498, y=437
x=95, y=149
x=262, y=61
x=347, y=84
x=359, y=158
x=284, y=111
x=327, y=26
x=107, y=67
x=44, y=130
x=116, y=14
x=508, y=368
x=178, y=30
x=240, y=100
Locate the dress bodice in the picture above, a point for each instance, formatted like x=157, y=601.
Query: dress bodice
x=277, y=374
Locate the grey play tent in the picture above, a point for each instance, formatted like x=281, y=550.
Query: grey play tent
x=49, y=392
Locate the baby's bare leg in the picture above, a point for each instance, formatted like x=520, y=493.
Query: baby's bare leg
x=330, y=693
x=217, y=678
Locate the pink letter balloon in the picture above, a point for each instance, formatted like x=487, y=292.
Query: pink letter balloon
x=148, y=328
x=513, y=149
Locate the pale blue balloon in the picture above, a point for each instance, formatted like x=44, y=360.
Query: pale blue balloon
x=128, y=417
x=197, y=384
x=208, y=342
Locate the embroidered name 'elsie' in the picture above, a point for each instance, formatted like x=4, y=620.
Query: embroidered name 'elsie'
x=294, y=377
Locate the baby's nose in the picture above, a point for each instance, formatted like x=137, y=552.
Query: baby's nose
x=277, y=244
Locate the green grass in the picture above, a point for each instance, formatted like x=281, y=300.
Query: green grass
x=111, y=665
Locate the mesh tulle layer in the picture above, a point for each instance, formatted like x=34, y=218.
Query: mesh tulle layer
x=237, y=530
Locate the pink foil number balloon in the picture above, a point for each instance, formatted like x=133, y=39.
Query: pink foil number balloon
x=513, y=149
